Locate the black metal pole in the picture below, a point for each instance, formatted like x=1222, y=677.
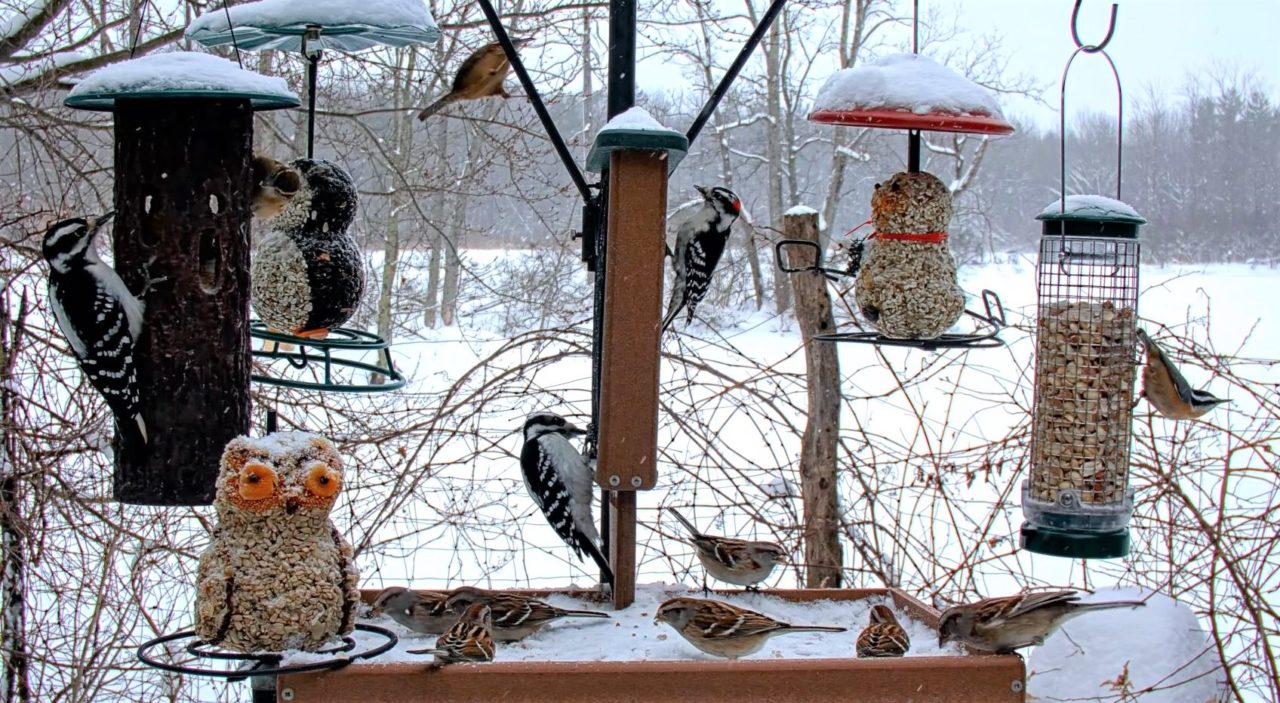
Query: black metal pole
x=313, y=67
x=548, y=124
x=622, y=56
x=913, y=151
x=775, y=9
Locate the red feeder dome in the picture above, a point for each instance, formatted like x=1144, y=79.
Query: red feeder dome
x=901, y=119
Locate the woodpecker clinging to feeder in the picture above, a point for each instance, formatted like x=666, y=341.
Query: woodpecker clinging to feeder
x=560, y=481
x=274, y=184
x=480, y=76
x=100, y=318
x=1168, y=392
x=700, y=242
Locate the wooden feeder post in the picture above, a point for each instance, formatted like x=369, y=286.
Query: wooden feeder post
x=635, y=163
x=181, y=233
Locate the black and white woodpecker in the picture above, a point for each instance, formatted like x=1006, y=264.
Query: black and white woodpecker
x=100, y=318
x=1165, y=388
x=699, y=243
x=560, y=481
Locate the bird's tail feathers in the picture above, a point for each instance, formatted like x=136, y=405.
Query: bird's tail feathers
x=431, y=651
x=1085, y=607
x=142, y=427
x=684, y=521
x=435, y=107
x=816, y=628
x=672, y=311
x=590, y=548
x=583, y=614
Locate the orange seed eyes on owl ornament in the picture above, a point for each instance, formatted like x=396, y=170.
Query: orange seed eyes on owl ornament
x=323, y=480
x=257, y=481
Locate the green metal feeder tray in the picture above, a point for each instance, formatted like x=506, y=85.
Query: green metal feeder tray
x=283, y=24
x=322, y=355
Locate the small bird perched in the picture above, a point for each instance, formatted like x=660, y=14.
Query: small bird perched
x=735, y=561
x=100, y=318
x=560, y=481
x=274, y=185
x=480, y=76
x=884, y=637
x=1168, y=392
x=469, y=640
x=421, y=612
x=699, y=243
x=1003, y=624
x=515, y=616
x=726, y=630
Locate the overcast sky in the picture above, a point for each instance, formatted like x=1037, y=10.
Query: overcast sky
x=1157, y=42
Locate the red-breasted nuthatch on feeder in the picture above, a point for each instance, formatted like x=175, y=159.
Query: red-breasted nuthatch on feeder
x=1167, y=391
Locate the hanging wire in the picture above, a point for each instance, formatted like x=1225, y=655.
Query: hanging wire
x=1062, y=101
x=137, y=33
x=226, y=9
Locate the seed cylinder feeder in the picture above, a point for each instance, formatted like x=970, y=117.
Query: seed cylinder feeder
x=183, y=147
x=1077, y=501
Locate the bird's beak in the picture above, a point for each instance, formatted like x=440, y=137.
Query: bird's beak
x=573, y=429
x=702, y=190
x=103, y=219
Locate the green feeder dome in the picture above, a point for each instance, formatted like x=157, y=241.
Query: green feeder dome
x=1077, y=500
x=342, y=25
x=179, y=75
x=636, y=129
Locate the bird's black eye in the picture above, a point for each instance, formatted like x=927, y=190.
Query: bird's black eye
x=877, y=186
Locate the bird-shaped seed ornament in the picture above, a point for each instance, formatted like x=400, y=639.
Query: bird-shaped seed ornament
x=481, y=75
x=307, y=273
x=277, y=574
x=1167, y=390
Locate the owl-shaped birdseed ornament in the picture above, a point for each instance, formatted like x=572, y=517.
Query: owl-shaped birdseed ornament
x=906, y=284
x=307, y=273
x=277, y=574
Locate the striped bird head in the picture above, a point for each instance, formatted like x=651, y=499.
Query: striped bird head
x=722, y=199
x=71, y=240
x=542, y=422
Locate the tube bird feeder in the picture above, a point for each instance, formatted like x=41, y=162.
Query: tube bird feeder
x=1077, y=501
x=183, y=147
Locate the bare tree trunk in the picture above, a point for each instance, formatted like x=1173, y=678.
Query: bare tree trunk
x=853, y=31
x=400, y=194
x=431, y=300
x=822, y=556
x=774, y=152
x=14, y=680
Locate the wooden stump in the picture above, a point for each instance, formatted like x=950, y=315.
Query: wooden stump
x=822, y=556
x=182, y=224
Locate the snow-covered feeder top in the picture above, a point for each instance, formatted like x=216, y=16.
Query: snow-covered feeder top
x=1090, y=215
x=636, y=129
x=907, y=91
x=180, y=75
x=345, y=25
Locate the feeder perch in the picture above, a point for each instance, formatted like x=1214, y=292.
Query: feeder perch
x=354, y=344
x=1077, y=501
x=183, y=138
x=310, y=27
x=635, y=155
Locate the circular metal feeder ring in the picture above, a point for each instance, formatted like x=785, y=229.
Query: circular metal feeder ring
x=989, y=322
x=261, y=664
x=320, y=353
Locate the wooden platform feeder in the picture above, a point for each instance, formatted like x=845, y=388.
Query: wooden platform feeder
x=183, y=145
x=936, y=679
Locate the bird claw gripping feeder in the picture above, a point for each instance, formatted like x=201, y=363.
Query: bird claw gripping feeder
x=906, y=283
x=1077, y=501
x=183, y=137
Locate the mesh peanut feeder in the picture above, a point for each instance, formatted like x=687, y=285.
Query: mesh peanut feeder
x=1077, y=500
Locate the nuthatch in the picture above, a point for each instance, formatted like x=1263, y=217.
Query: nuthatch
x=1167, y=391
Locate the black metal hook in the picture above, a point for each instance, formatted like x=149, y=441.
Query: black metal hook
x=1075, y=31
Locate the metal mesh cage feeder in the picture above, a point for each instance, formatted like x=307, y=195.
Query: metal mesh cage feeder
x=1077, y=501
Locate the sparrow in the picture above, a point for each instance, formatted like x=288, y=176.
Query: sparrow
x=421, y=612
x=731, y=560
x=480, y=76
x=1165, y=388
x=884, y=637
x=1003, y=624
x=726, y=630
x=515, y=616
x=274, y=185
x=469, y=640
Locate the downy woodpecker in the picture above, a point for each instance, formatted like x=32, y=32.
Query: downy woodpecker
x=699, y=243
